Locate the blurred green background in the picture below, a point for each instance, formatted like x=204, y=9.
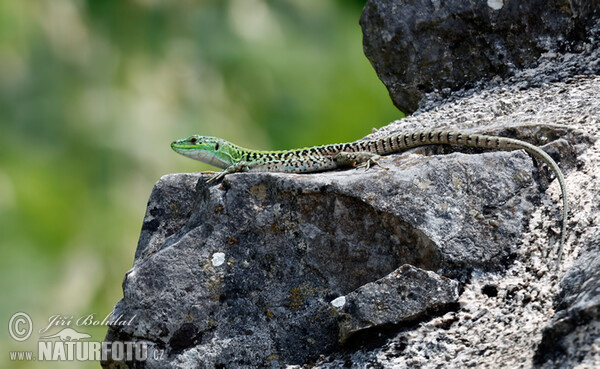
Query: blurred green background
x=93, y=91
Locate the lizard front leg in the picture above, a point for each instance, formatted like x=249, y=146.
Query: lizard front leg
x=240, y=166
x=361, y=159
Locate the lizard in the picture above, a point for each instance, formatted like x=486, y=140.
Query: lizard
x=362, y=153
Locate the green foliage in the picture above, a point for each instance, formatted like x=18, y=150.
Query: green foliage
x=93, y=92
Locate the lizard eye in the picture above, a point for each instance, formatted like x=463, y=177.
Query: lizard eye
x=193, y=140
x=217, y=146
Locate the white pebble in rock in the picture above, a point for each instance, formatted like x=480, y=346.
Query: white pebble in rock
x=218, y=259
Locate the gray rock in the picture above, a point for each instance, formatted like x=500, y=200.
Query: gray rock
x=242, y=273
x=423, y=46
x=533, y=314
x=404, y=295
x=574, y=331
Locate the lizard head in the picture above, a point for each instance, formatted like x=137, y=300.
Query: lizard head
x=209, y=150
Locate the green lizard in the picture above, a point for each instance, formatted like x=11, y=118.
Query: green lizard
x=363, y=153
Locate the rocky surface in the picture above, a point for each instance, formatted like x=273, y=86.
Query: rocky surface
x=531, y=315
x=255, y=261
x=423, y=46
x=392, y=299
x=244, y=273
x=446, y=259
x=573, y=334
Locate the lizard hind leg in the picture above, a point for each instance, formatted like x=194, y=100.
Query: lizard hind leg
x=357, y=159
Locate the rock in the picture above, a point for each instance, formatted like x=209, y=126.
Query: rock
x=533, y=314
x=242, y=273
x=404, y=295
x=419, y=47
x=574, y=331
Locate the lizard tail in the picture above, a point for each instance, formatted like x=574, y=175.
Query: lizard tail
x=543, y=156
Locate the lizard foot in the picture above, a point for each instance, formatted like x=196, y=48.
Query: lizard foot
x=358, y=159
x=241, y=166
x=374, y=160
x=215, y=177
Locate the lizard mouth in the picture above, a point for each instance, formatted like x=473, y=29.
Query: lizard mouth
x=181, y=146
x=193, y=152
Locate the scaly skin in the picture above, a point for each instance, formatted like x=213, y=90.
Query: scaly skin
x=233, y=158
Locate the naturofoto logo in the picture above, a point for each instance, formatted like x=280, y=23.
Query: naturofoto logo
x=69, y=344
